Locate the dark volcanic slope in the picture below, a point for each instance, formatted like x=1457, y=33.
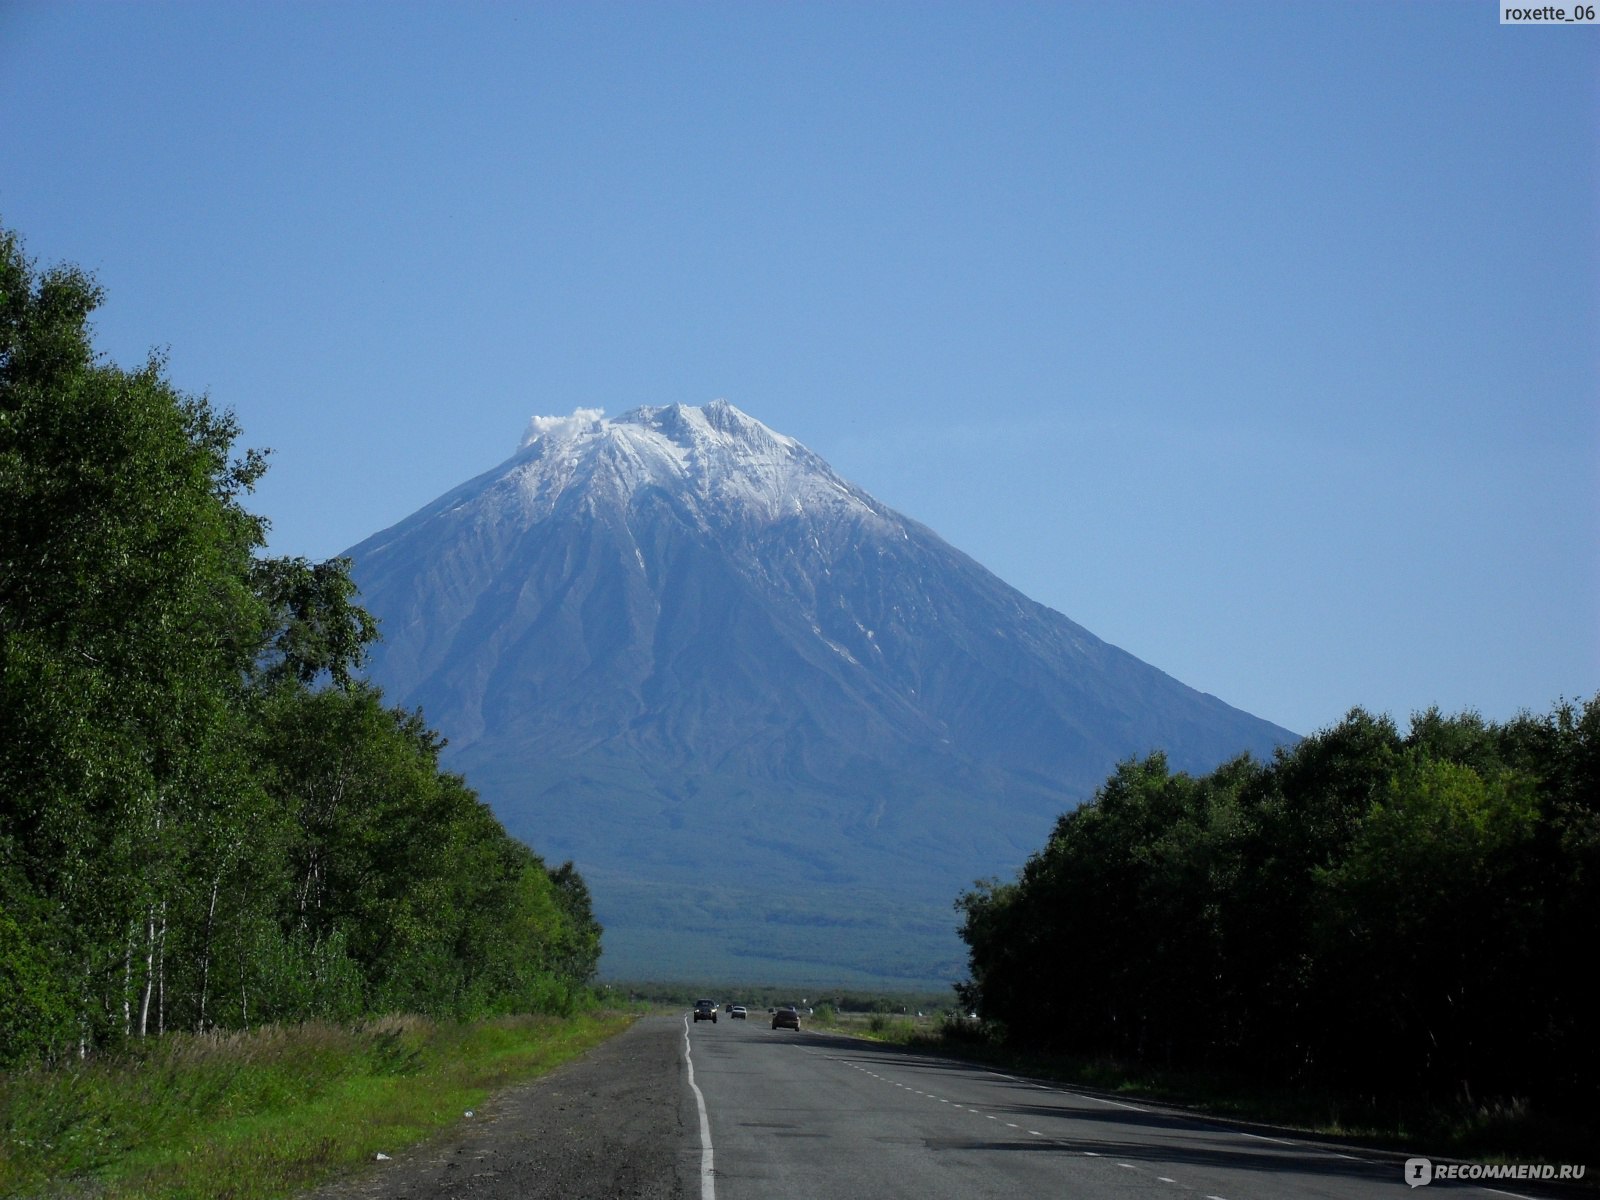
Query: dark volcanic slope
x=677, y=648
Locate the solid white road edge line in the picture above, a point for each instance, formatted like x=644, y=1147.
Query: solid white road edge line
x=708, y=1182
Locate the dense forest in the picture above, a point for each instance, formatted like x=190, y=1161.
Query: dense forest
x=1371, y=913
x=206, y=820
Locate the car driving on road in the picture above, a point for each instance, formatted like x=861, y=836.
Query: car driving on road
x=738, y=1012
x=787, y=1017
x=705, y=1010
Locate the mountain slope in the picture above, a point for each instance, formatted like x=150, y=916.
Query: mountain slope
x=777, y=724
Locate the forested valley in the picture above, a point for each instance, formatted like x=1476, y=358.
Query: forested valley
x=207, y=822
x=1373, y=914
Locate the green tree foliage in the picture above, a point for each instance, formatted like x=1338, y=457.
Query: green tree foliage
x=1369, y=910
x=204, y=819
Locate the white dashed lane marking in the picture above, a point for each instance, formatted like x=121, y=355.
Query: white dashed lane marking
x=1031, y=1132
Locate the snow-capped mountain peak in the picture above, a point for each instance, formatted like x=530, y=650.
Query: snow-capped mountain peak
x=714, y=455
x=746, y=697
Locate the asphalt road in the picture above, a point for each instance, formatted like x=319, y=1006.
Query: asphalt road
x=809, y=1115
x=677, y=1110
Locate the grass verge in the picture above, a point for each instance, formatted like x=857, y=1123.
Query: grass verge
x=264, y=1114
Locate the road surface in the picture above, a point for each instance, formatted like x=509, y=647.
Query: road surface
x=811, y=1115
x=680, y=1110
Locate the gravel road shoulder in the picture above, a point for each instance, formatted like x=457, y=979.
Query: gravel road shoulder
x=619, y=1122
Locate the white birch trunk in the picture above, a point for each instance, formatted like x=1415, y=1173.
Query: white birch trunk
x=148, y=985
x=205, y=956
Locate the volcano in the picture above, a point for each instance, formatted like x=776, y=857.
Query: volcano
x=777, y=725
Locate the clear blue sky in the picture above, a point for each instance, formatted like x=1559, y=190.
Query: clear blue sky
x=1261, y=339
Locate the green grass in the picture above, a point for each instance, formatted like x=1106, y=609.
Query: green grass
x=874, y=1027
x=265, y=1114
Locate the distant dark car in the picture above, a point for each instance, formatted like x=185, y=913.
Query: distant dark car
x=786, y=1018
x=738, y=1012
x=705, y=1010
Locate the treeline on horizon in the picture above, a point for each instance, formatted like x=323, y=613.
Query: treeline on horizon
x=1374, y=914
x=206, y=822
x=766, y=995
